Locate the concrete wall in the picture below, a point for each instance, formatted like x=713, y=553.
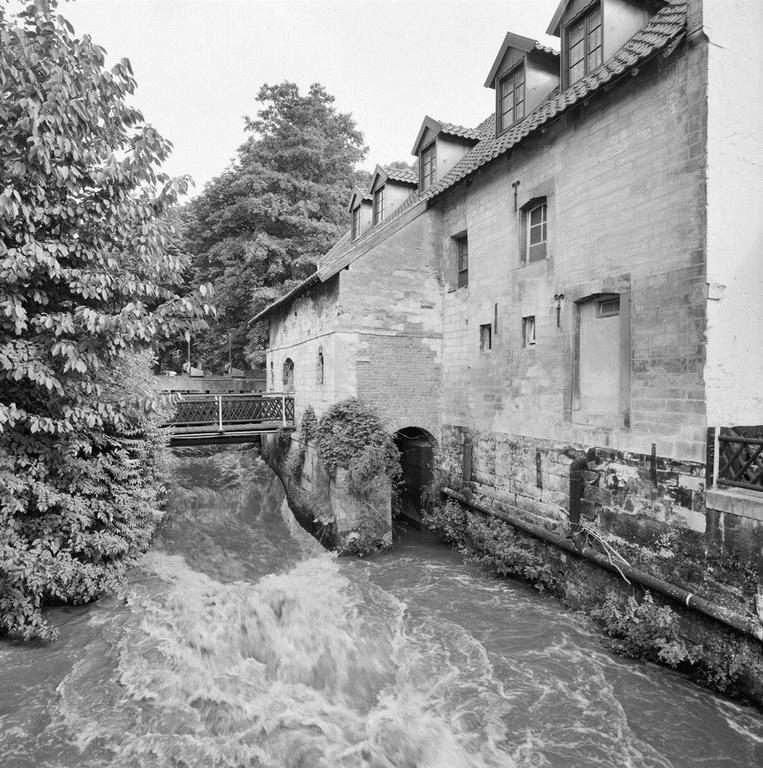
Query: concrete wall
x=734, y=224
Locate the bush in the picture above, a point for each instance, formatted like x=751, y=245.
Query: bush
x=491, y=543
x=645, y=630
x=351, y=436
x=68, y=529
x=89, y=268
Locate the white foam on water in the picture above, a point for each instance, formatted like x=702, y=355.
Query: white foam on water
x=303, y=668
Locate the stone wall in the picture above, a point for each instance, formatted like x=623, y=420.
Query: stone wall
x=390, y=308
x=650, y=511
x=323, y=504
x=623, y=178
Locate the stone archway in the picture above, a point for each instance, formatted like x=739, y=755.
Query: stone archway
x=416, y=447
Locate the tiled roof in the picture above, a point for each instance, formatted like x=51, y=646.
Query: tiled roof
x=459, y=130
x=545, y=49
x=666, y=27
x=405, y=175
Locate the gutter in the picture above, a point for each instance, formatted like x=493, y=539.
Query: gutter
x=689, y=600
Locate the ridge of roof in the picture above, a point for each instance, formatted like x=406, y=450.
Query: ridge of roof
x=546, y=49
x=461, y=131
x=405, y=175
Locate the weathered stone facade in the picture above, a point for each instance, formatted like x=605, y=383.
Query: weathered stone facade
x=617, y=339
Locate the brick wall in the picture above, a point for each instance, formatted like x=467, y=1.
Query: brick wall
x=390, y=308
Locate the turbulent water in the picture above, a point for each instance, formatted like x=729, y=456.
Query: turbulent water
x=239, y=642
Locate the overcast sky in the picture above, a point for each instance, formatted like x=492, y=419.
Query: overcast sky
x=200, y=63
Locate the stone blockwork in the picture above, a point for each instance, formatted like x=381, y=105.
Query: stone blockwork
x=614, y=175
x=323, y=504
x=650, y=511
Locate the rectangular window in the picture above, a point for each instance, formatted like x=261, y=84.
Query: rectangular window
x=537, y=232
x=355, y=223
x=486, y=337
x=511, y=99
x=463, y=261
x=528, y=331
x=608, y=307
x=584, y=44
x=378, y=205
x=428, y=166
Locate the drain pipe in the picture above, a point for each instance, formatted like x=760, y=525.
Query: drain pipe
x=688, y=599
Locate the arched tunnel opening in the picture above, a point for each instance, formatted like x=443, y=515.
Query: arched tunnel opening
x=416, y=448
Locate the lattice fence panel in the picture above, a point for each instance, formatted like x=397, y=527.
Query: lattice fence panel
x=740, y=457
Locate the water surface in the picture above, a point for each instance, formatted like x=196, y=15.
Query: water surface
x=239, y=642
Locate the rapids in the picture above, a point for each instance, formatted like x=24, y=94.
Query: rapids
x=238, y=642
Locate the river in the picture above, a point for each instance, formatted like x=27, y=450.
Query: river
x=239, y=642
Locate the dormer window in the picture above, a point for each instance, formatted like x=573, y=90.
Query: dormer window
x=428, y=164
x=583, y=44
x=378, y=205
x=355, y=223
x=511, y=96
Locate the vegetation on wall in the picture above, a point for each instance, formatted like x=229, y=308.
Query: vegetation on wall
x=491, y=543
x=638, y=627
x=87, y=269
x=351, y=436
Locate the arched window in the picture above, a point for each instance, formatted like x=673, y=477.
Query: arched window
x=319, y=368
x=288, y=375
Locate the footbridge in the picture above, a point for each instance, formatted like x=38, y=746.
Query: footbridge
x=229, y=418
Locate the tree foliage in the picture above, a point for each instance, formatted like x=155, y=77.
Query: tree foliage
x=86, y=268
x=259, y=227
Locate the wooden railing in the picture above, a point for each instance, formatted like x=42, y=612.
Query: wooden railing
x=740, y=458
x=228, y=411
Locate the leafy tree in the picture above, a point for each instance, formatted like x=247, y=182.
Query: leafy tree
x=86, y=259
x=259, y=227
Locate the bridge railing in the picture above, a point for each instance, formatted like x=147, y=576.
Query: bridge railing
x=232, y=409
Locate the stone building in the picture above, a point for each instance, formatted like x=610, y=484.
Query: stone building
x=580, y=271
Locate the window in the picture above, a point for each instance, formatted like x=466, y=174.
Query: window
x=319, y=369
x=462, y=244
x=428, y=166
x=608, y=307
x=486, y=337
x=528, y=331
x=537, y=232
x=272, y=377
x=584, y=44
x=534, y=231
x=355, y=223
x=511, y=98
x=378, y=205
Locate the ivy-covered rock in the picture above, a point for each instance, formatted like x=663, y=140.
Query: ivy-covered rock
x=351, y=436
